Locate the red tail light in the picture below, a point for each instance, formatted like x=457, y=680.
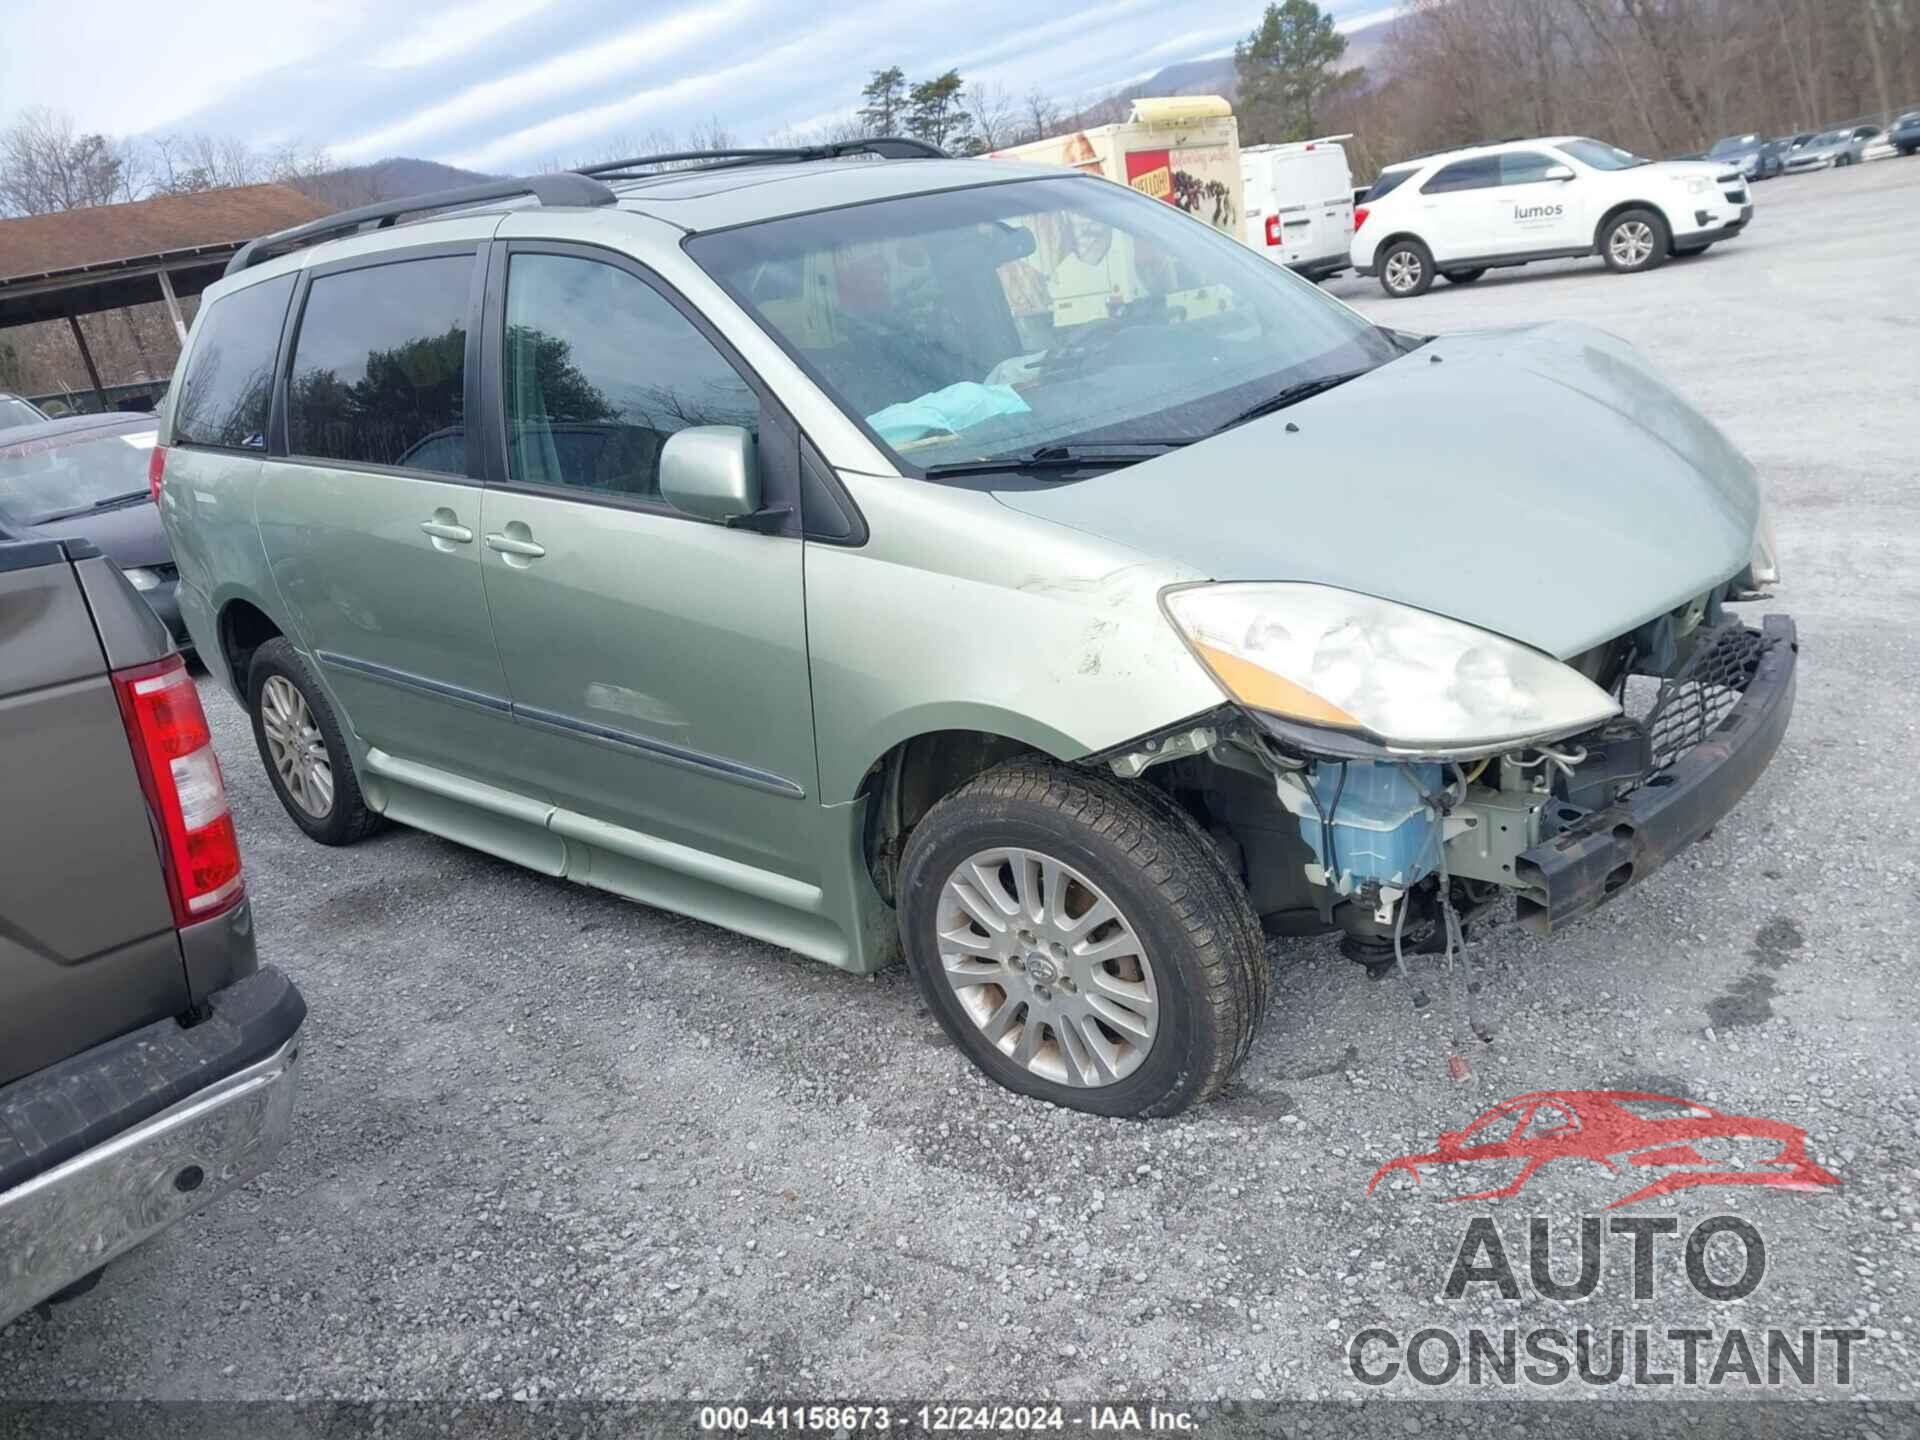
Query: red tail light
x=1273, y=229
x=156, y=471
x=1359, y=216
x=173, y=753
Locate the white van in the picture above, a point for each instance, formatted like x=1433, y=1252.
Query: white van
x=1300, y=204
x=1183, y=149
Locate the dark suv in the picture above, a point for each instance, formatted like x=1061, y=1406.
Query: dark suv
x=147, y=1061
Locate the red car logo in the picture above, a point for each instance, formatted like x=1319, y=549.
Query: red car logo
x=1622, y=1128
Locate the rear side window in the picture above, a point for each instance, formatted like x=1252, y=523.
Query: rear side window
x=380, y=366
x=1389, y=181
x=1465, y=175
x=225, y=392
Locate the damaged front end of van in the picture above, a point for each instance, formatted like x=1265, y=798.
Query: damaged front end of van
x=1511, y=670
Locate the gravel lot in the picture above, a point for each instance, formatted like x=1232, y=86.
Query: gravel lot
x=552, y=1144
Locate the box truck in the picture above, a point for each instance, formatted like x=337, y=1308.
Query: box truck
x=1183, y=149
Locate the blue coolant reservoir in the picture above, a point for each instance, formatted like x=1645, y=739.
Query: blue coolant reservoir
x=1382, y=828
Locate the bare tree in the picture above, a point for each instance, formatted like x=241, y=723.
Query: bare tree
x=46, y=165
x=1040, y=114
x=995, y=116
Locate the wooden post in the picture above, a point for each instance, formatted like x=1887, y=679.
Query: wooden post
x=86, y=358
x=173, y=308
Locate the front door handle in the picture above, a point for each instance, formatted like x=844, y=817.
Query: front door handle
x=507, y=545
x=515, y=544
x=441, y=530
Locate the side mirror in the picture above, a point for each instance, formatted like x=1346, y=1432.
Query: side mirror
x=1559, y=172
x=711, y=471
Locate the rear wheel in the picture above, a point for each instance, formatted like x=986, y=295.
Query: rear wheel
x=303, y=747
x=1406, y=269
x=1634, y=240
x=1082, y=940
x=1464, y=277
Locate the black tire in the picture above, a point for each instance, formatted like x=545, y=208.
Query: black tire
x=1165, y=876
x=347, y=819
x=1464, y=277
x=1655, y=254
x=1418, y=265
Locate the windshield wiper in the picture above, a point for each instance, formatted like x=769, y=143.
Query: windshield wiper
x=109, y=503
x=126, y=497
x=1292, y=395
x=1114, y=453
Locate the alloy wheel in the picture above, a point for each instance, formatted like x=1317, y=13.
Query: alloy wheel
x=298, y=749
x=1403, y=271
x=1047, y=968
x=1632, y=243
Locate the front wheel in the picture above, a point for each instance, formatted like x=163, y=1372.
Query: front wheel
x=1635, y=240
x=1406, y=269
x=1464, y=277
x=1082, y=940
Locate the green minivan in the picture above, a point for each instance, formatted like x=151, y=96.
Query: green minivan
x=869, y=551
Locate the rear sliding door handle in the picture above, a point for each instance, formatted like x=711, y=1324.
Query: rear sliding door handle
x=442, y=530
x=510, y=545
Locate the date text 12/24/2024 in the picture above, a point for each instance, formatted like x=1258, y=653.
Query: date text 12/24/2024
x=943, y=1418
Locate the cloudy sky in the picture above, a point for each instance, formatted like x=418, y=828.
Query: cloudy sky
x=503, y=85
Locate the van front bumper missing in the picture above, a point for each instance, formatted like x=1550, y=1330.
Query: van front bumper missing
x=121, y=1141
x=1604, y=853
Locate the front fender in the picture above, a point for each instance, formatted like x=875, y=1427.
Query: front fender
x=962, y=614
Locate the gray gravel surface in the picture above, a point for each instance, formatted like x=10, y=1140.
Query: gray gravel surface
x=552, y=1144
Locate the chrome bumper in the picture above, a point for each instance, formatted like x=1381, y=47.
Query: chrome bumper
x=63, y=1224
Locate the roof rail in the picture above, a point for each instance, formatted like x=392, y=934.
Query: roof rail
x=565, y=188
x=886, y=147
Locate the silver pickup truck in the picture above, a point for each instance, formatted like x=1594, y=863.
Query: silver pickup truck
x=147, y=1060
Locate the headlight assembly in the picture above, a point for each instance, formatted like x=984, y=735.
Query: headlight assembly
x=1413, y=681
x=1699, y=185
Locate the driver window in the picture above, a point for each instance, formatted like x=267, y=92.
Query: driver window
x=600, y=370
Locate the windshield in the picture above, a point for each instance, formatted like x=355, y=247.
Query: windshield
x=994, y=321
x=1733, y=144
x=1832, y=137
x=17, y=412
x=57, y=475
x=1601, y=156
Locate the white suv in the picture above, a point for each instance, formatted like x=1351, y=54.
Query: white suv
x=1463, y=212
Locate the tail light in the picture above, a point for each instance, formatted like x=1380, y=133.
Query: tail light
x=1359, y=216
x=1273, y=229
x=156, y=471
x=173, y=753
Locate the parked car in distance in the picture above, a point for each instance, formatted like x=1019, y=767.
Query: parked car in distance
x=976, y=618
x=1299, y=204
x=17, y=410
x=1749, y=154
x=1845, y=145
x=1462, y=212
x=1904, y=132
x=87, y=476
x=147, y=1060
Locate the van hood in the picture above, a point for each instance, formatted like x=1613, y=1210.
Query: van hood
x=1540, y=482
